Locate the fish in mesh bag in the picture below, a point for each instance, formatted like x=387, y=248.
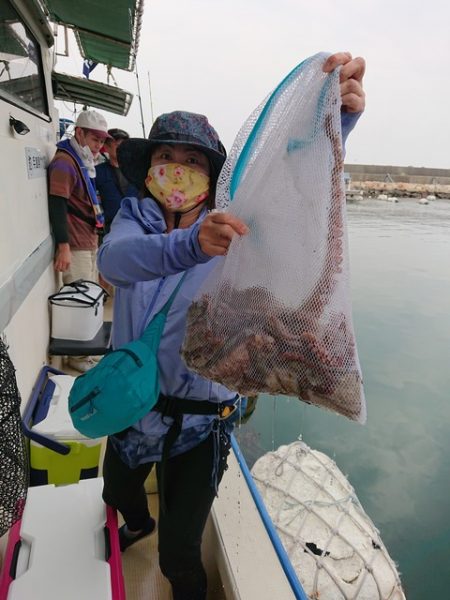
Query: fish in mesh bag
x=274, y=314
x=13, y=453
x=334, y=547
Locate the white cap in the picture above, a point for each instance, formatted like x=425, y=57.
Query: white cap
x=91, y=119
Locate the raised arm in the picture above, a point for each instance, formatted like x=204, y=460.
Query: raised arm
x=137, y=249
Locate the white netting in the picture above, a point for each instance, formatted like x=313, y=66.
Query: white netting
x=333, y=545
x=275, y=314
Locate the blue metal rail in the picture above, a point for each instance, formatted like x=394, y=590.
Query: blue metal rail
x=285, y=562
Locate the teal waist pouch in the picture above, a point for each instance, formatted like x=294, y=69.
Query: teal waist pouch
x=123, y=386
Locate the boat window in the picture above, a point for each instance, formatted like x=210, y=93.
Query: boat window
x=21, y=74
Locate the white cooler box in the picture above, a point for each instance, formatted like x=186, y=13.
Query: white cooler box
x=77, y=311
x=65, y=547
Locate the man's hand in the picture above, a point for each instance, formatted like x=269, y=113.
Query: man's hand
x=351, y=77
x=217, y=231
x=63, y=258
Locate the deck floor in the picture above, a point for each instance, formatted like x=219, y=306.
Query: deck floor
x=143, y=578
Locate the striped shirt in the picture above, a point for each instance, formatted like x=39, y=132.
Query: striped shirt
x=65, y=181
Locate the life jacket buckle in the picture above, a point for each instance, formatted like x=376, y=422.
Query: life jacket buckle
x=228, y=410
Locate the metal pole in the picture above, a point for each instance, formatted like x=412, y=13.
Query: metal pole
x=139, y=96
x=151, y=99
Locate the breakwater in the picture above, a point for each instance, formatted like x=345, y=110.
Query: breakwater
x=414, y=182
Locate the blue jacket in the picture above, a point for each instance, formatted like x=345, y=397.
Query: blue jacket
x=145, y=264
x=109, y=190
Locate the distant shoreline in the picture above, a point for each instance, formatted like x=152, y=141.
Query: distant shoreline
x=402, y=182
x=372, y=189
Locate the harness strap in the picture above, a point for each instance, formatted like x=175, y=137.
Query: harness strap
x=170, y=406
x=175, y=408
x=77, y=213
x=171, y=436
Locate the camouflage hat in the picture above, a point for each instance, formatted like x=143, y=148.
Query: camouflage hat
x=177, y=127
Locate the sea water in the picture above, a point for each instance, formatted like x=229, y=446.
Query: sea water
x=399, y=462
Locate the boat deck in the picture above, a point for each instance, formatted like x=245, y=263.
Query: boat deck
x=143, y=578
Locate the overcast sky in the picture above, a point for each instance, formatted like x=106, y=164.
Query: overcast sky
x=222, y=57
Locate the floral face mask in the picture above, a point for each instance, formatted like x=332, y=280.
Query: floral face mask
x=177, y=187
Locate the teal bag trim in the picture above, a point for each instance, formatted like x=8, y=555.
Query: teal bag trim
x=244, y=155
x=156, y=325
x=124, y=386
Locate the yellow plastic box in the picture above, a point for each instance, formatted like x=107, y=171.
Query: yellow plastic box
x=59, y=454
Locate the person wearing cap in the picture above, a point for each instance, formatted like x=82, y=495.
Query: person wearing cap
x=75, y=212
x=168, y=237
x=111, y=183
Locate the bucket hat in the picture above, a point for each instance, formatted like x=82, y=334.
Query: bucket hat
x=177, y=127
x=93, y=120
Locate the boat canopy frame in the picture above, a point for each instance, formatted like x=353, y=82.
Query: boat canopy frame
x=107, y=31
x=91, y=93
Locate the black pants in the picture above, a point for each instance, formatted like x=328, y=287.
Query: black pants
x=189, y=496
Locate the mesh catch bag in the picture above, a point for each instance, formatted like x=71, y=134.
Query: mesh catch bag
x=13, y=454
x=274, y=315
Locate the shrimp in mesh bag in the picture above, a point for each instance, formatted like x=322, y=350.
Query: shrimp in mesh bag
x=274, y=314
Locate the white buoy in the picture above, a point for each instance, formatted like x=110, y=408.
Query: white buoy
x=423, y=200
x=334, y=547
x=431, y=197
x=392, y=199
x=382, y=197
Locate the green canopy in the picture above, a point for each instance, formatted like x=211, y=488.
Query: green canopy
x=91, y=93
x=107, y=31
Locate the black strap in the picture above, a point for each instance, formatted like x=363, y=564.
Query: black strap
x=89, y=220
x=170, y=439
x=120, y=179
x=79, y=286
x=77, y=213
x=170, y=406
